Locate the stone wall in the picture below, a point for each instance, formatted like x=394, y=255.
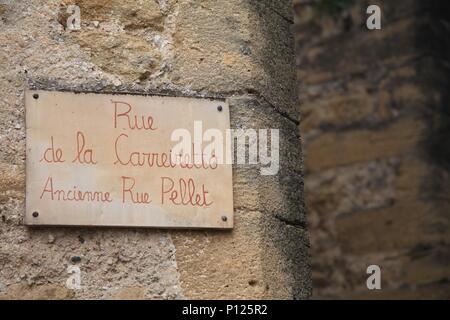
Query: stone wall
x=241, y=50
x=375, y=128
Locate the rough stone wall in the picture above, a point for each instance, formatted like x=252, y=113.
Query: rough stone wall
x=375, y=127
x=241, y=50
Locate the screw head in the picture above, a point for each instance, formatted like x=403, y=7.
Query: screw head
x=224, y=218
x=75, y=259
x=36, y=96
x=35, y=214
x=220, y=108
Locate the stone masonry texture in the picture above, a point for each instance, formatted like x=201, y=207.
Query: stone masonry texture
x=375, y=128
x=240, y=50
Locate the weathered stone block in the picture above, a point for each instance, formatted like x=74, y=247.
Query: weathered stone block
x=330, y=149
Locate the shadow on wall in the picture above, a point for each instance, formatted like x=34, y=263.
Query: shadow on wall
x=376, y=128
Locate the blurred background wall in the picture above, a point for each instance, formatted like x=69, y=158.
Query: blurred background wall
x=376, y=137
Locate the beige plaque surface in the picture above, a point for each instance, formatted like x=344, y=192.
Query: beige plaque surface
x=107, y=160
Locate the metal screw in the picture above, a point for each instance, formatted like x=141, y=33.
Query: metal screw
x=75, y=259
x=36, y=96
x=35, y=214
x=224, y=218
x=219, y=108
